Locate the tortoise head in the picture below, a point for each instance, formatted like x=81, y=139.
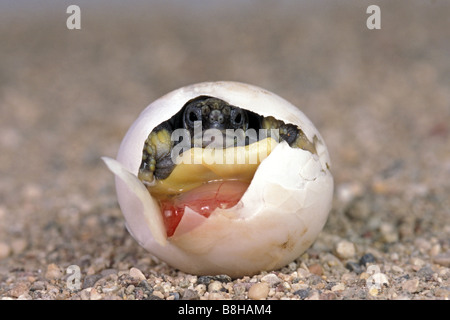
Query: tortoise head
x=213, y=113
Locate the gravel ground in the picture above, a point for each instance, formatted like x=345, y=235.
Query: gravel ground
x=380, y=98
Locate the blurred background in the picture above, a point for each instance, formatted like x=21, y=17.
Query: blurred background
x=380, y=98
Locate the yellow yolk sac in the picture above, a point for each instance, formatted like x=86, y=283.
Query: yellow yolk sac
x=206, y=179
x=235, y=211
x=198, y=165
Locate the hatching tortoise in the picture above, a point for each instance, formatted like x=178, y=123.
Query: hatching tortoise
x=211, y=113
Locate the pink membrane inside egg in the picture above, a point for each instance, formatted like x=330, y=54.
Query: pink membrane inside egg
x=203, y=200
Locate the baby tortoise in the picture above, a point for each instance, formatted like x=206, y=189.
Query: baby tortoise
x=210, y=113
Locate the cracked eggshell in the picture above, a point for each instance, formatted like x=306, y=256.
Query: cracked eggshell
x=278, y=217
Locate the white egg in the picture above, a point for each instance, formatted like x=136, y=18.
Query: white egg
x=278, y=217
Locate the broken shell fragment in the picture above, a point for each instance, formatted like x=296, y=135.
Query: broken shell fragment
x=235, y=209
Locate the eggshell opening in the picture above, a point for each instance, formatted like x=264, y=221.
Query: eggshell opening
x=278, y=217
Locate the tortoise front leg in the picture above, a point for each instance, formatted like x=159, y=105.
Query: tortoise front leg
x=290, y=133
x=156, y=156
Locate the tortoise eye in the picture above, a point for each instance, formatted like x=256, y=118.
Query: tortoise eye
x=238, y=117
x=192, y=114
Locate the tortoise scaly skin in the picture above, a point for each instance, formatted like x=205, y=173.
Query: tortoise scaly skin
x=210, y=113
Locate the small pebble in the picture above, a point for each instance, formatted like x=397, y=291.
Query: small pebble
x=302, y=273
x=442, y=292
x=24, y=296
x=223, y=278
x=37, y=285
x=95, y=295
x=331, y=260
x=411, y=285
x=85, y=294
x=130, y=289
x=348, y=278
x=137, y=274
x=302, y=293
x=208, y=279
x=327, y=296
x=417, y=262
x=239, y=289
x=345, y=249
x=397, y=269
x=204, y=280
x=90, y=280
x=145, y=285
x=174, y=296
x=258, y=291
x=378, y=280
x=18, y=290
x=314, y=296
x=201, y=289
x=110, y=289
x=53, y=272
x=190, y=294
x=214, y=286
x=158, y=294
x=338, y=287
x=215, y=296
x=191, y=279
x=364, y=276
x=292, y=266
x=316, y=269
x=271, y=279
x=426, y=273
x=373, y=291
x=366, y=259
